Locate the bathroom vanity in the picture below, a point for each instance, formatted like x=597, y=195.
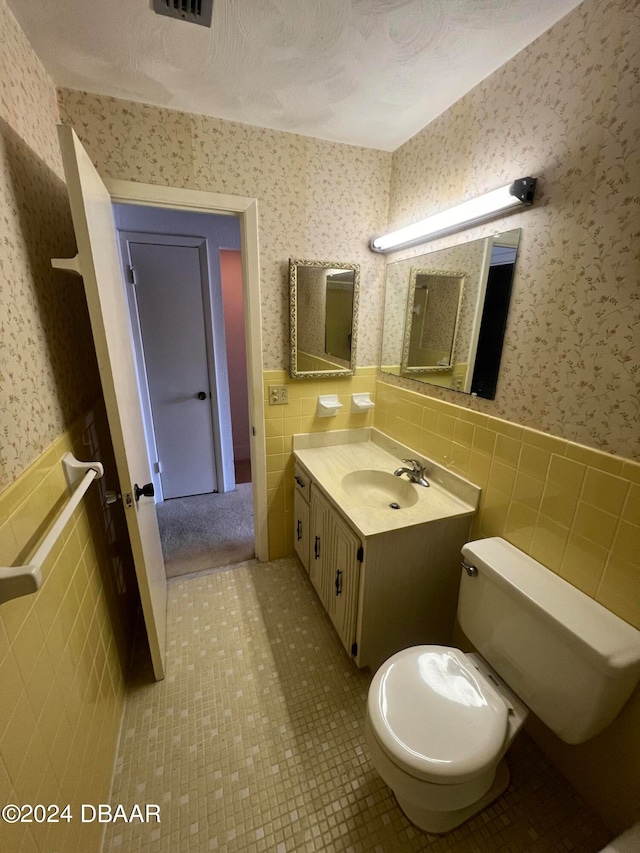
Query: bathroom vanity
x=382, y=553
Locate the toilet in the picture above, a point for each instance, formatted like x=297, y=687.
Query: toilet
x=439, y=720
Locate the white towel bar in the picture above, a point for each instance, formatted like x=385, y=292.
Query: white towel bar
x=16, y=581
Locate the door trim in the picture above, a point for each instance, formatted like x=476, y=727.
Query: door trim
x=246, y=209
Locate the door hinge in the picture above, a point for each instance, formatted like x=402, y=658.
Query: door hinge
x=131, y=275
x=360, y=554
x=253, y=430
x=157, y=467
x=354, y=650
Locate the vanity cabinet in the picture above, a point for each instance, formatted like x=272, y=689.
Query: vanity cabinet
x=345, y=555
x=385, y=588
x=334, y=565
x=301, y=512
x=319, y=568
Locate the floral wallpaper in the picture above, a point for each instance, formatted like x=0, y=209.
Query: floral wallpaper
x=316, y=199
x=311, y=310
x=565, y=110
x=47, y=366
x=27, y=95
x=436, y=328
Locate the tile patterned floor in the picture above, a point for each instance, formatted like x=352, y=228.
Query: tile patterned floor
x=254, y=741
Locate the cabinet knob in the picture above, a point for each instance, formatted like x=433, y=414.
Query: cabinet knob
x=338, y=582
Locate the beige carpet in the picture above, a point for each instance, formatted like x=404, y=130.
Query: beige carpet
x=206, y=531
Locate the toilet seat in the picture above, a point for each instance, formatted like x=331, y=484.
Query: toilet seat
x=435, y=716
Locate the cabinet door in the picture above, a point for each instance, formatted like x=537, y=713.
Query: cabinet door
x=301, y=528
x=319, y=563
x=343, y=550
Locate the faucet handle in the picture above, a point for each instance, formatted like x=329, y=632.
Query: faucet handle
x=417, y=466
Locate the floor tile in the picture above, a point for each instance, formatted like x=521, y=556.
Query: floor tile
x=255, y=741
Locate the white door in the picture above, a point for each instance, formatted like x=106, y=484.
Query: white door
x=99, y=265
x=169, y=295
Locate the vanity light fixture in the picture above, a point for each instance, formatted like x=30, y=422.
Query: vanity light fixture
x=504, y=200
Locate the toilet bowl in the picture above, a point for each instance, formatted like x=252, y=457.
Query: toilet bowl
x=438, y=724
x=439, y=721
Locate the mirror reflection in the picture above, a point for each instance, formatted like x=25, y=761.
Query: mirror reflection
x=484, y=272
x=323, y=315
x=431, y=323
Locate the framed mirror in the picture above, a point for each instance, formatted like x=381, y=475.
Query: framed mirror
x=486, y=267
x=431, y=322
x=323, y=318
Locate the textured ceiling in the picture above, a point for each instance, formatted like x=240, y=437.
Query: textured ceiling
x=365, y=72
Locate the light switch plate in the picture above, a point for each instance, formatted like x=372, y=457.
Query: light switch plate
x=278, y=395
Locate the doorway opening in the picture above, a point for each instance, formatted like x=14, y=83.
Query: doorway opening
x=246, y=211
x=183, y=275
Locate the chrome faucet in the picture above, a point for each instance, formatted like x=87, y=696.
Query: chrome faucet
x=415, y=473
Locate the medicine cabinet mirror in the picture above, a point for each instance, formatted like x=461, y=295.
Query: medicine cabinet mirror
x=323, y=318
x=445, y=314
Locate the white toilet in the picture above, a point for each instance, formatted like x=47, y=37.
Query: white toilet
x=439, y=721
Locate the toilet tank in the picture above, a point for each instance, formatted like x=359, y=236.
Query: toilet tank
x=572, y=661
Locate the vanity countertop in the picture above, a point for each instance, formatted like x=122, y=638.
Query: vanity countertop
x=328, y=465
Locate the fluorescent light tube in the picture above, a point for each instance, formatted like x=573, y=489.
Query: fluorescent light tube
x=502, y=200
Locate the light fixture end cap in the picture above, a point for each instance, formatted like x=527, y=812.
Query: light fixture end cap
x=524, y=189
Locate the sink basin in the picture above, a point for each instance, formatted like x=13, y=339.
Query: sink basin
x=379, y=489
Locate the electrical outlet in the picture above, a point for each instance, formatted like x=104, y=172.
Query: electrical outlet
x=278, y=395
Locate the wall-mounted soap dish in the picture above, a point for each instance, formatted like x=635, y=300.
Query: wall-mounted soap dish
x=328, y=405
x=361, y=403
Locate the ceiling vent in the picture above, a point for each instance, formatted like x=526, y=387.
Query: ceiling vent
x=193, y=11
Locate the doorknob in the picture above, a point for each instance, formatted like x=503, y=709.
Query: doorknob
x=148, y=491
x=202, y=395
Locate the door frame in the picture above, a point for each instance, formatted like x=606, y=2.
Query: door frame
x=246, y=209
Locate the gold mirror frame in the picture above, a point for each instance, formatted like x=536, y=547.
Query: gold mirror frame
x=336, y=366
x=411, y=369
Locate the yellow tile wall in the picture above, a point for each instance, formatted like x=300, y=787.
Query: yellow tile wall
x=574, y=509
x=62, y=653
x=282, y=422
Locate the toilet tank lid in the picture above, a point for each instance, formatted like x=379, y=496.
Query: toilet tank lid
x=608, y=641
